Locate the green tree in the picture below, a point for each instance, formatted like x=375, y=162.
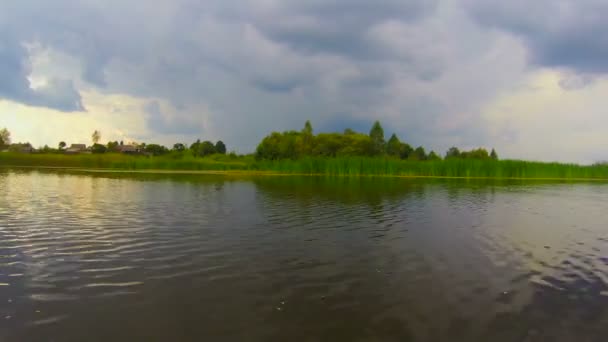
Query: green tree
x=220, y=147
x=453, y=152
x=377, y=135
x=307, y=128
x=393, y=147
x=418, y=154
x=112, y=146
x=480, y=153
x=405, y=150
x=304, y=144
x=433, y=156
x=5, y=138
x=195, y=148
x=269, y=147
x=179, y=147
x=62, y=145
x=98, y=148
x=155, y=149
x=494, y=155
x=95, y=137
x=349, y=131
x=206, y=148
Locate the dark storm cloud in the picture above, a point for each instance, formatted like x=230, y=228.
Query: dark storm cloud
x=567, y=34
x=14, y=84
x=236, y=69
x=338, y=26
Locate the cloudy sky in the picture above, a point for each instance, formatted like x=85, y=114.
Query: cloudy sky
x=525, y=77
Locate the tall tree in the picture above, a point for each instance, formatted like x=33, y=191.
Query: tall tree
x=220, y=147
x=179, y=147
x=453, y=152
x=112, y=146
x=494, y=155
x=377, y=135
x=393, y=147
x=5, y=137
x=62, y=145
x=405, y=150
x=304, y=144
x=308, y=128
x=433, y=156
x=96, y=136
x=206, y=148
x=155, y=149
x=195, y=148
x=420, y=153
x=98, y=148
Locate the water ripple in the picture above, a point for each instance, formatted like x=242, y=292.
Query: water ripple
x=311, y=259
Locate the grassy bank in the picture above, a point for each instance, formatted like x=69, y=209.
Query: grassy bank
x=352, y=166
x=126, y=162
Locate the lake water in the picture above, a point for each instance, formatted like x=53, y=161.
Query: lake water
x=159, y=258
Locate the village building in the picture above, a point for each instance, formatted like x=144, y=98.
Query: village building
x=76, y=149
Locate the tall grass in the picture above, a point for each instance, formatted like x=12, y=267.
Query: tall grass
x=468, y=168
x=347, y=166
x=124, y=162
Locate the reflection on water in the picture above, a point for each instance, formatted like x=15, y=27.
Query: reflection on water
x=311, y=259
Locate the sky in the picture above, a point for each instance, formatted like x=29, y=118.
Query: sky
x=525, y=77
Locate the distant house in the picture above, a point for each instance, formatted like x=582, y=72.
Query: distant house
x=76, y=148
x=128, y=149
x=22, y=148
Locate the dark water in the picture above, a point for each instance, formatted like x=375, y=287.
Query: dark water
x=300, y=259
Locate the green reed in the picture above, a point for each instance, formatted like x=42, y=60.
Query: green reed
x=341, y=166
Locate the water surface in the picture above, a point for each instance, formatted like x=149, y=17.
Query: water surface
x=202, y=258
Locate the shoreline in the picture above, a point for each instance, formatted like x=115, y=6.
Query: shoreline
x=245, y=173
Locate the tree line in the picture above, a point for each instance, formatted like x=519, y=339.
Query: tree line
x=304, y=143
x=198, y=148
x=286, y=145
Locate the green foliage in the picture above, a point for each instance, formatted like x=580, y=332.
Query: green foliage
x=480, y=153
x=405, y=150
x=202, y=149
x=62, y=145
x=306, y=141
x=179, y=147
x=156, y=150
x=220, y=147
x=377, y=135
x=98, y=148
x=206, y=148
x=286, y=145
x=433, y=156
x=454, y=167
x=419, y=154
x=5, y=138
x=112, y=146
x=308, y=129
x=340, y=166
x=393, y=147
x=453, y=152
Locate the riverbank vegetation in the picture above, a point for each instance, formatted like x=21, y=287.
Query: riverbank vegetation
x=302, y=152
